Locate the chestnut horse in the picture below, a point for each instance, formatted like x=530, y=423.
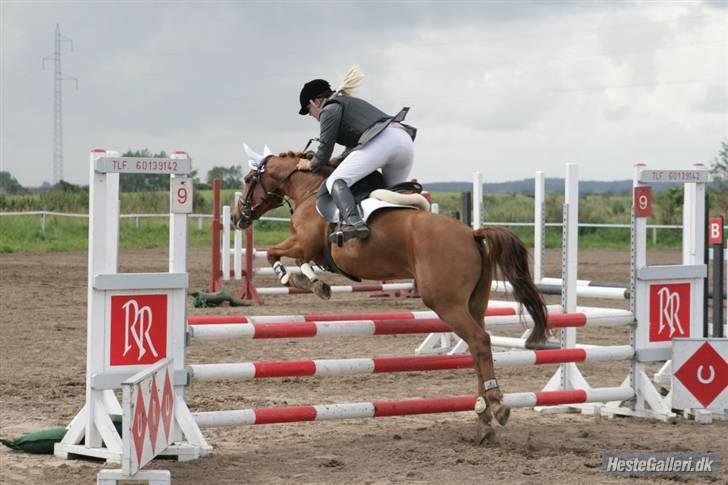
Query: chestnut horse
x=451, y=264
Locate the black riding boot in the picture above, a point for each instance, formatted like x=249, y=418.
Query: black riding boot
x=353, y=226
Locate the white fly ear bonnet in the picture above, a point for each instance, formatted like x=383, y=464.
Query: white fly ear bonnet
x=255, y=160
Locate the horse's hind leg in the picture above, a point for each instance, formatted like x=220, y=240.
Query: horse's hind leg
x=477, y=305
x=490, y=397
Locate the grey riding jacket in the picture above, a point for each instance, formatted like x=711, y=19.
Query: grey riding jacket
x=351, y=122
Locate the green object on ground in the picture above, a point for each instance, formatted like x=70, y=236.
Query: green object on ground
x=203, y=299
x=42, y=442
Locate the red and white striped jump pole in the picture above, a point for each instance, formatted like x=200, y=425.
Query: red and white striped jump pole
x=215, y=228
x=220, y=265
x=395, y=327
x=496, y=309
x=378, y=409
x=285, y=290
x=343, y=367
x=249, y=292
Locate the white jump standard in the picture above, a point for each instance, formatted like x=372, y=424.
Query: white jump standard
x=134, y=319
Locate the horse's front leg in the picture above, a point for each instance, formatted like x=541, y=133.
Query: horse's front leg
x=290, y=248
x=307, y=279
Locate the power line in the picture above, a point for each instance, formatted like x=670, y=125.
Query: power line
x=58, y=103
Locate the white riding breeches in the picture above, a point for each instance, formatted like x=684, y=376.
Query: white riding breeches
x=392, y=150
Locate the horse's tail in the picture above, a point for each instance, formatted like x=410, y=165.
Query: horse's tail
x=505, y=251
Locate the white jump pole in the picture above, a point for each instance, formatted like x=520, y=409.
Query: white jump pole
x=238, y=246
x=568, y=376
x=538, y=226
x=477, y=199
x=571, y=377
x=226, y=242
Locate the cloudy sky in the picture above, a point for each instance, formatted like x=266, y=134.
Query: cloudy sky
x=504, y=87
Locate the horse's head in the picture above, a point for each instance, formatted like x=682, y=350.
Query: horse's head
x=265, y=186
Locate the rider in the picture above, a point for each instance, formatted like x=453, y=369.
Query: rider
x=373, y=140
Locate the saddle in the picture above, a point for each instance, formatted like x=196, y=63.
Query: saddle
x=372, y=187
x=371, y=195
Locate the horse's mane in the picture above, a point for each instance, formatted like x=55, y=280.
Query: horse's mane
x=324, y=171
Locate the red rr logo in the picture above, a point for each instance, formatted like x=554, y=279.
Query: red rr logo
x=138, y=329
x=669, y=312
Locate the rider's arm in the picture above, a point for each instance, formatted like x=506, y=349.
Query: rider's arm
x=330, y=120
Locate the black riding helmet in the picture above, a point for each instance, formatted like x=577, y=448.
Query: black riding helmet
x=318, y=88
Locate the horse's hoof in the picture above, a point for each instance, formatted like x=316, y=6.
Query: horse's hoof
x=502, y=415
x=486, y=434
x=299, y=280
x=321, y=289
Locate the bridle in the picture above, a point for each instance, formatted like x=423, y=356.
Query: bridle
x=247, y=212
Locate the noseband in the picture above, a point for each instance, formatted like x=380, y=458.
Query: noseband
x=248, y=213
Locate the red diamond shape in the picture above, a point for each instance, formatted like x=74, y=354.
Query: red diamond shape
x=167, y=406
x=704, y=374
x=153, y=414
x=139, y=426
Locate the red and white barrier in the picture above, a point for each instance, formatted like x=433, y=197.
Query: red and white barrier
x=350, y=328
x=363, y=288
x=344, y=367
x=378, y=409
x=495, y=308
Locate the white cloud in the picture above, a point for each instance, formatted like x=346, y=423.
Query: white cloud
x=504, y=87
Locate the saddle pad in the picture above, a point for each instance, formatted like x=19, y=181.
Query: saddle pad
x=370, y=206
x=328, y=210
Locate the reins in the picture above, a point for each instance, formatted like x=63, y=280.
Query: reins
x=248, y=212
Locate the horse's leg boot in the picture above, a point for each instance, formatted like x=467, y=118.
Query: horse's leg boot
x=354, y=226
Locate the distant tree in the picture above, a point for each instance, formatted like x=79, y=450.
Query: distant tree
x=64, y=186
x=10, y=185
x=196, y=180
x=669, y=205
x=719, y=192
x=719, y=168
x=230, y=177
x=144, y=182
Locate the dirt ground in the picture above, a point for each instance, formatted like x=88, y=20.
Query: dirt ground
x=42, y=361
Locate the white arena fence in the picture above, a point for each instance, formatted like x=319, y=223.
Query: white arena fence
x=201, y=225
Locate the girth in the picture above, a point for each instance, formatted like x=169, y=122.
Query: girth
x=329, y=263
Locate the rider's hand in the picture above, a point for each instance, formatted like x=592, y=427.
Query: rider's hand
x=303, y=164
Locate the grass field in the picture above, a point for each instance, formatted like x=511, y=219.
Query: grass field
x=24, y=233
